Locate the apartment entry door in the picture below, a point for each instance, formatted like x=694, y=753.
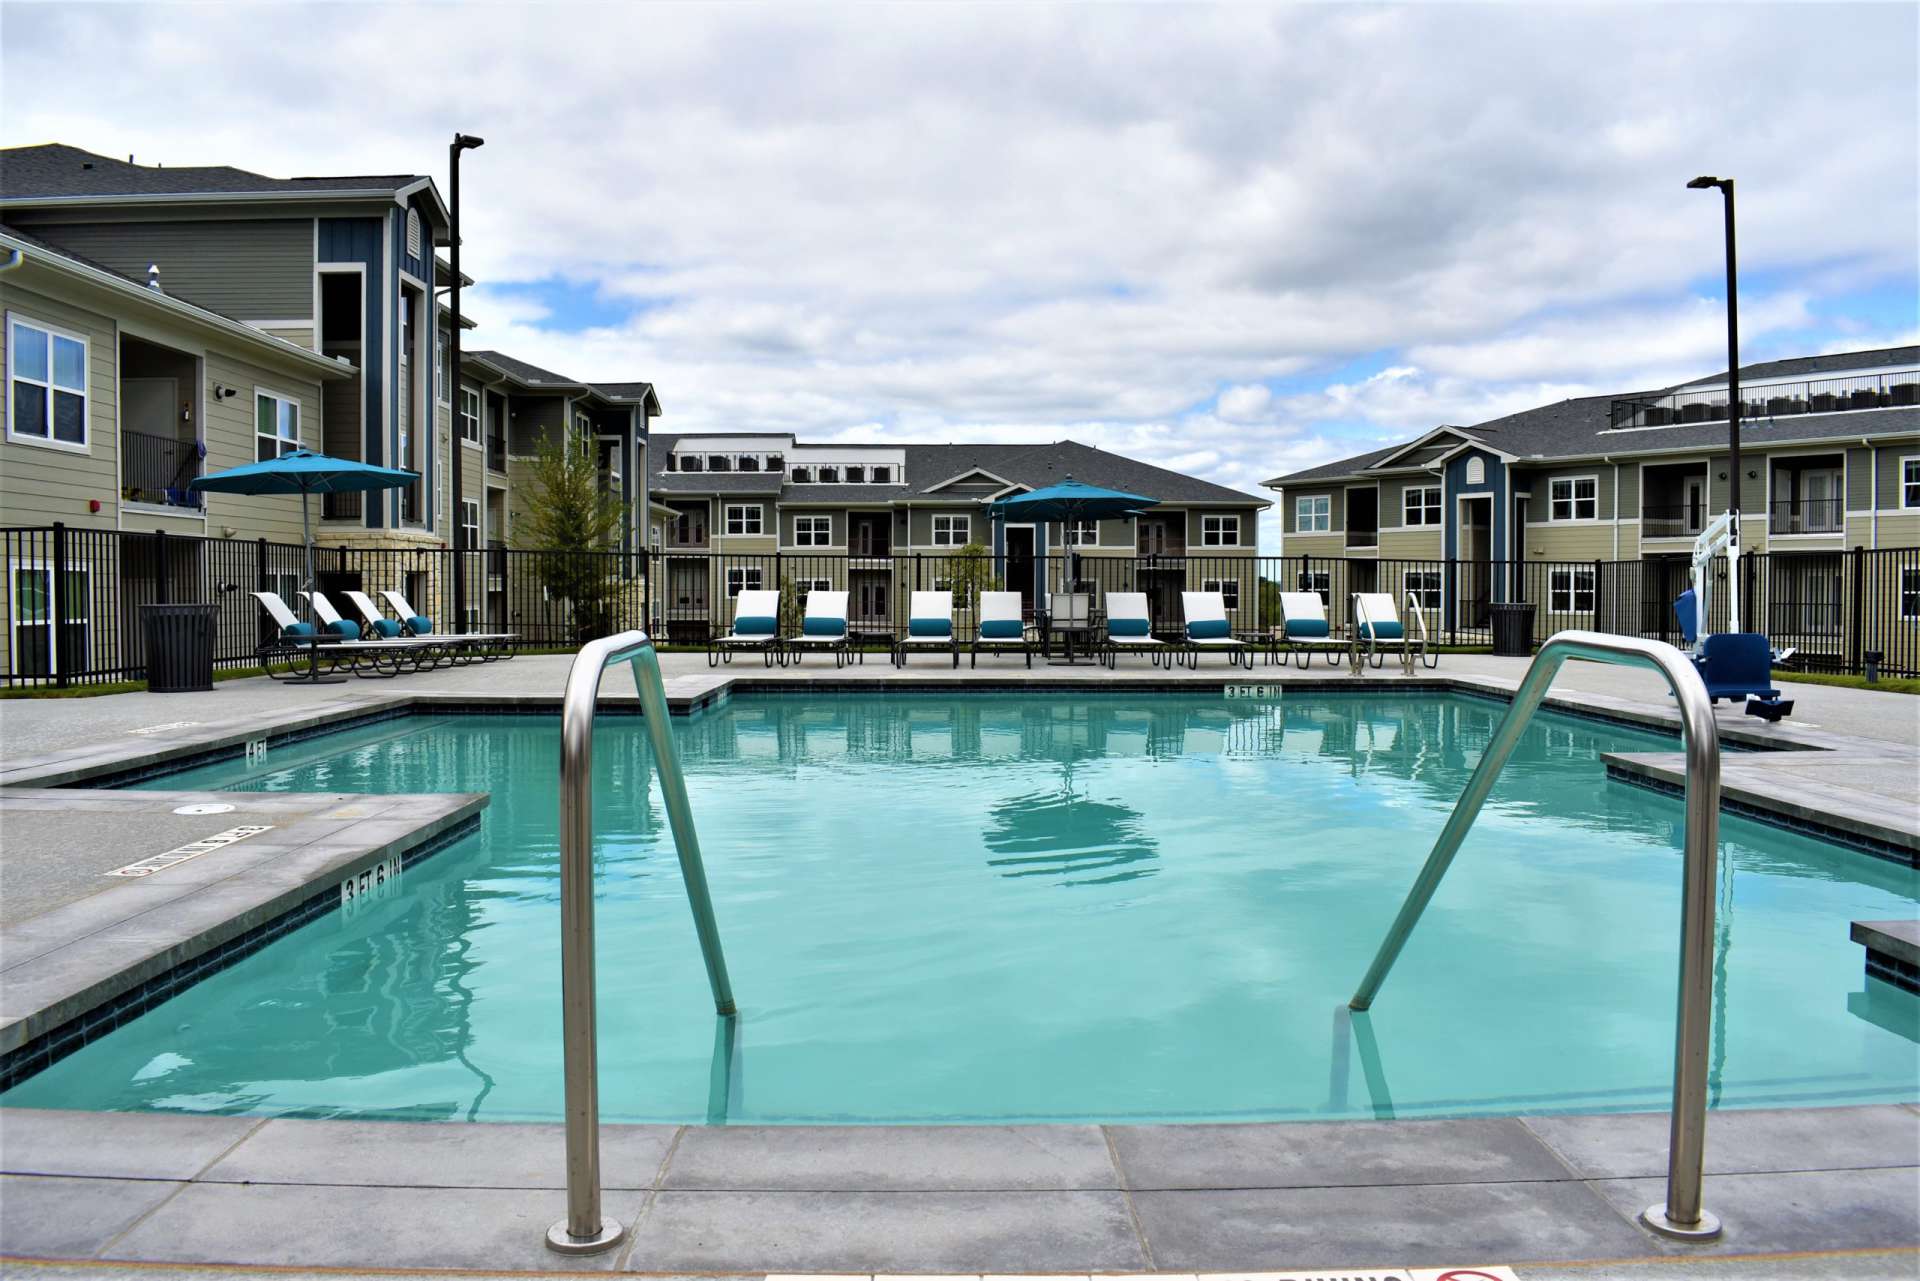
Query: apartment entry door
x=1019, y=562
x=1475, y=551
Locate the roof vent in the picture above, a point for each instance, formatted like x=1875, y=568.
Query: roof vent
x=86, y=164
x=153, y=278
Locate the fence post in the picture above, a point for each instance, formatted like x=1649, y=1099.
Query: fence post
x=1756, y=614
x=1599, y=569
x=1859, y=620
x=56, y=602
x=162, y=555
x=260, y=564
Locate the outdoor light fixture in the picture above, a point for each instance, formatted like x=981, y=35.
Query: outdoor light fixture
x=1707, y=182
x=461, y=142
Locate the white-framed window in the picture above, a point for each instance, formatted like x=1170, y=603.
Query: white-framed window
x=1910, y=595
x=470, y=520
x=942, y=585
x=47, y=386
x=413, y=233
x=1317, y=581
x=470, y=416
x=1229, y=589
x=1423, y=585
x=1570, y=590
x=1910, y=482
x=804, y=586
x=1312, y=514
x=442, y=367
x=743, y=578
x=34, y=600
x=952, y=530
x=276, y=426
x=1420, y=505
x=1219, y=531
x=743, y=518
x=1574, y=498
x=801, y=475
x=813, y=531
x=1080, y=533
x=880, y=474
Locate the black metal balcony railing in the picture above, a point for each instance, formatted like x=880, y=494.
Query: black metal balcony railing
x=1772, y=400
x=1361, y=536
x=1807, y=516
x=496, y=453
x=1672, y=520
x=158, y=469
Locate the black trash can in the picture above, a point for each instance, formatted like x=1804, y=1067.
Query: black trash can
x=1513, y=629
x=179, y=647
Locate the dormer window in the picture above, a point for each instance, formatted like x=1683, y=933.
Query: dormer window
x=881, y=474
x=802, y=475
x=856, y=475
x=829, y=475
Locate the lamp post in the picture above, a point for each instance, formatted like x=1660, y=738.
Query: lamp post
x=461, y=142
x=1733, y=357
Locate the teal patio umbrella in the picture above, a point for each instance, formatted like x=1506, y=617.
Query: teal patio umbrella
x=304, y=472
x=1069, y=500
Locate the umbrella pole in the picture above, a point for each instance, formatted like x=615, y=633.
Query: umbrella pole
x=306, y=536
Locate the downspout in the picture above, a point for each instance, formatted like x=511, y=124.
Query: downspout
x=1608, y=458
x=1873, y=494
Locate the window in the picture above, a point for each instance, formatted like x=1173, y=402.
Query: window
x=1574, y=498
x=46, y=386
x=34, y=604
x=1910, y=595
x=1421, y=506
x=1570, y=591
x=1312, y=514
x=276, y=426
x=469, y=522
x=829, y=475
x=1220, y=531
x=856, y=474
x=692, y=462
x=444, y=368
x=743, y=518
x=1910, y=482
x=807, y=585
x=413, y=233
x=747, y=462
x=802, y=475
x=745, y=578
x=1423, y=585
x=952, y=531
x=1229, y=589
x=470, y=416
x=1081, y=533
x=813, y=531
x=881, y=474
x=1317, y=581
x=719, y=462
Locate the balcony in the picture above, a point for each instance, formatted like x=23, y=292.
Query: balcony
x=156, y=470
x=1807, y=516
x=1672, y=520
x=496, y=453
x=1772, y=400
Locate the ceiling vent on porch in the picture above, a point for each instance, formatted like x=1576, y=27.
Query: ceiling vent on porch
x=153, y=278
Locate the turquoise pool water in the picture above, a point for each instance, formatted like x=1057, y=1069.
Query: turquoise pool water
x=995, y=907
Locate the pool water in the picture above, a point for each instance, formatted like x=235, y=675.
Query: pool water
x=1035, y=908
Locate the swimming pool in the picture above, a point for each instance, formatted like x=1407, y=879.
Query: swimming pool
x=1000, y=907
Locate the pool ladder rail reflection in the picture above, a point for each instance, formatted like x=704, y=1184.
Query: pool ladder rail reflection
x=586, y=1230
x=1681, y=1215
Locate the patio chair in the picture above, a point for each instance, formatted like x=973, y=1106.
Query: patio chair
x=929, y=626
x=756, y=626
x=1305, y=631
x=1207, y=628
x=1377, y=629
x=374, y=621
x=1130, y=630
x=383, y=655
x=471, y=645
x=1070, y=614
x=1002, y=629
x=412, y=621
x=824, y=627
x=1736, y=665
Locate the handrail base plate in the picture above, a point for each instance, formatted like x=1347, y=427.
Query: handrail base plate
x=562, y=1241
x=1655, y=1217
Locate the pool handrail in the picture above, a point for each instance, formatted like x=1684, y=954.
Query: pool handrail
x=585, y=1230
x=1681, y=1215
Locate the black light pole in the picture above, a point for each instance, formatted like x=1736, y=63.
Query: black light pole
x=1733, y=356
x=461, y=142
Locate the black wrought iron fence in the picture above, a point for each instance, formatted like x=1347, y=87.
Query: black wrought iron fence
x=73, y=595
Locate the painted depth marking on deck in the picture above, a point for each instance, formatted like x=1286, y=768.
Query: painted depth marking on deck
x=192, y=850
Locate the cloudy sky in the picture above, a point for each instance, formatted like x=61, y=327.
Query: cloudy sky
x=1233, y=241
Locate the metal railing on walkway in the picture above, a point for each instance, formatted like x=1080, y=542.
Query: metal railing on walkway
x=1681, y=1215
x=586, y=1230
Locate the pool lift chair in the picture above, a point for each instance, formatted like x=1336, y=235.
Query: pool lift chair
x=1305, y=631
x=824, y=627
x=1377, y=628
x=929, y=626
x=756, y=626
x=1734, y=664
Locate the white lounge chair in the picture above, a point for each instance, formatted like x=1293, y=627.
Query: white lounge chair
x=929, y=626
x=487, y=645
x=1208, y=628
x=1305, y=631
x=376, y=622
x=386, y=655
x=756, y=625
x=823, y=627
x=1378, y=630
x=1002, y=628
x=1130, y=629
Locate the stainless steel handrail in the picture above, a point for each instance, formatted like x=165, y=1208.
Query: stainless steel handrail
x=585, y=1230
x=1681, y=1215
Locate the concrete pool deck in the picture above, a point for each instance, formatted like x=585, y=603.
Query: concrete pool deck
x=1811, y=1192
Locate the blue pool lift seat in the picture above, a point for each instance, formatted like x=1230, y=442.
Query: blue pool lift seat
x=1737, y=665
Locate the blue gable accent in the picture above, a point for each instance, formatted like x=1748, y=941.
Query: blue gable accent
x=358, y=240
x=1496, y=483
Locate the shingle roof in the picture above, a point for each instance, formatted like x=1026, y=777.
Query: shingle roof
x=1838, y=362
x=726, y=482
x=521, y=370
x=55, y=170
x=627, y=391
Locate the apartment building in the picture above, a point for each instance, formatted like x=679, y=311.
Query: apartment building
x=1830, y=456
x=750, y=510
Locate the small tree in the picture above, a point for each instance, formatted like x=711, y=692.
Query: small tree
x=573, y=522
x=970, y=570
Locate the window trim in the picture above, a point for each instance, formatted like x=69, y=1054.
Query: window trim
x=805, y=538
x=1904, y=506
x=1573, y=500
x=49, y=441
x=476, y=527
x=759, y=519
x=1436, y=509
x=1572, y=589
x=442, y=370
x=741, y=572
x=966, y=529
x=1439, y=591
x=1900, y=591
x=1220, y=585
x=1067, y=531
x=299, y=421
x=55, y=607
x=1223, y=517
x=477, y=440
x=1300, y=504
